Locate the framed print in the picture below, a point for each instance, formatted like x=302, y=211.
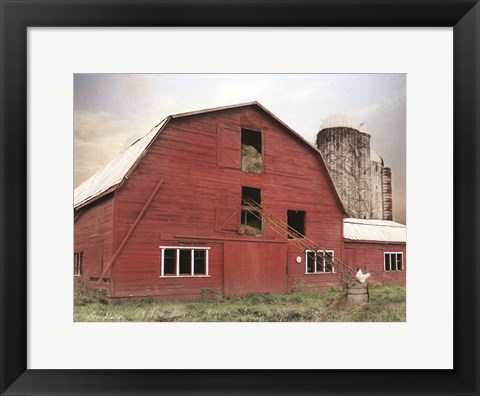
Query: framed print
x=44, y=45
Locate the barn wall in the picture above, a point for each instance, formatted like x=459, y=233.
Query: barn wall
x=137, y=272
x=94, y=237
x=255, y=267
x=200, y=198
x=370, y=258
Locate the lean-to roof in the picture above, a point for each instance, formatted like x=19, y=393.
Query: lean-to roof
x=374, y=230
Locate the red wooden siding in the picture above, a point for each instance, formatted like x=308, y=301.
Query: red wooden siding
x=370, y=258
x=255, y=267
x=199, y=201
x=93, y=237
x=228, y=146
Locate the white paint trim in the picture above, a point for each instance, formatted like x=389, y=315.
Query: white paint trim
x=162, y=262
x=78, y=264
x=192, y=262
x=177, y=268
x=206, y=263
x=185, y=247
x=332, y=252
x=185, y=276
x=390, y=270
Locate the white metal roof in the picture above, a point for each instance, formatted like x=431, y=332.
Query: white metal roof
x=374, y=230
x=114, y=172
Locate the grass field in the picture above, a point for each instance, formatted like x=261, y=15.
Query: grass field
x=387, y=304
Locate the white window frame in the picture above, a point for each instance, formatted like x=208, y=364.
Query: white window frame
x=177, y=267
x=322, y=252
x=396, y=269
x=77, y=263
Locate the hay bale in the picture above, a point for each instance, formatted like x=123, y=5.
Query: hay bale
x=252, y=161
x=249, y=230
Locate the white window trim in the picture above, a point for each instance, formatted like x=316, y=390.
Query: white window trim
x=78, y=256
x=178, y=248
x=332, y=252
x=390, y=270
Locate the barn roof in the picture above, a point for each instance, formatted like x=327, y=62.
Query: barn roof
x=113, y=174
x=374, y=230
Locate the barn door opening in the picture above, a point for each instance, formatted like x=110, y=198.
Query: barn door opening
x=251, y=221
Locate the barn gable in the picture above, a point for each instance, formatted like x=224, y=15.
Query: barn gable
x=113, y=174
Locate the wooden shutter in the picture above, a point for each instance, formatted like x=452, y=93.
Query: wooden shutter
x=227, y=219
x=229, y=147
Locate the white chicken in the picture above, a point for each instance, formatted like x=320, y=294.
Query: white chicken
x=361, y=276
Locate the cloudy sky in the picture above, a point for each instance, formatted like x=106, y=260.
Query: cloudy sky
x=113, y=110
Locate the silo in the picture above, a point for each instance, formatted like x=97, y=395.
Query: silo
x=376, y=185
x=387, y=194
x=346, y=151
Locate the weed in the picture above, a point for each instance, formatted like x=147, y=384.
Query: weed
x=387, y=304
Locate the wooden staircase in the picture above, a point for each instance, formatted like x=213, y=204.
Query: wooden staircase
x=300, y=241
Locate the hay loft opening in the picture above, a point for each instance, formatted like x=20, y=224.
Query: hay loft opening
x=250, y=222
x=296, y=220
x=252, y=160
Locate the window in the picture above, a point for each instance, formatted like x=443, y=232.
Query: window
x=251, y=220
x=252, y=160
x=296, y=220
x=77, y=263
x=393, y=261
x=183, y=261
x=319, y=262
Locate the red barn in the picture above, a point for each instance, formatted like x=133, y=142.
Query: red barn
x=169, y=217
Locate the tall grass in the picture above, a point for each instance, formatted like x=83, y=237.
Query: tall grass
x=387, y=304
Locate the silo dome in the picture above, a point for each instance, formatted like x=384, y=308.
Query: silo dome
x=340, y=120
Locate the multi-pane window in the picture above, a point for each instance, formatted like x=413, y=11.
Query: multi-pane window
x=319, y=262
x=393, y=261
x=77, y=263
x=183, y=261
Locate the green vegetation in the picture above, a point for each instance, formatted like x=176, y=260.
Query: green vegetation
x=387, y=304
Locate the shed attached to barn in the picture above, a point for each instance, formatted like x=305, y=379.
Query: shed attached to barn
x=378, y=247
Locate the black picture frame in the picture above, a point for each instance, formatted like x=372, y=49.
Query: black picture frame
x=18, y=15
